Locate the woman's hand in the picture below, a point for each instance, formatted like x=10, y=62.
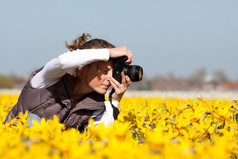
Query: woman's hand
x=120, y=88
x=121, y=51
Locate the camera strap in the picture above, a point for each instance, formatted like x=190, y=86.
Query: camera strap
x=115, y=109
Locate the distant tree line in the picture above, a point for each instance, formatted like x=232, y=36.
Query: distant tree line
x=12, y=81
x=199, y=80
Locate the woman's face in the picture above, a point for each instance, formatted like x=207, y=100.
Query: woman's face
x=97, y=76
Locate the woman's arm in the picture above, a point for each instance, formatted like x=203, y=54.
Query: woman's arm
x=110, y=115
x=57, y=67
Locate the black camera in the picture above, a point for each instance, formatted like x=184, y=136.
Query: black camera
x=134, y=72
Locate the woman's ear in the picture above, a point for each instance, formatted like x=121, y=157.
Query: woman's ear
x=80, y=71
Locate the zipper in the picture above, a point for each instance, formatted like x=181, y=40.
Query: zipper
x=44, y=105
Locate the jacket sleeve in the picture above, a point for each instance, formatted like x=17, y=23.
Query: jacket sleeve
x=80, y=118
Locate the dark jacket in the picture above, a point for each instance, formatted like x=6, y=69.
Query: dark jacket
x=57, y=100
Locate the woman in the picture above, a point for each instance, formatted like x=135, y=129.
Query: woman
x=72, y=86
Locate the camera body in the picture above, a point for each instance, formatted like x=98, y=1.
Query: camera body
x=134, y=72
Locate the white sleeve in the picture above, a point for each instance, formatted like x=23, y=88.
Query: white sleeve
x=56, y=68
x=107, y=117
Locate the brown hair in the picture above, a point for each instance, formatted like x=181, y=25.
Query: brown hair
x=83, y=42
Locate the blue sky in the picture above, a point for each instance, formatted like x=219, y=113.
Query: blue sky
x=166, y=36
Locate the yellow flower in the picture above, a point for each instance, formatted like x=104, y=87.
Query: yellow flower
x=146, y=128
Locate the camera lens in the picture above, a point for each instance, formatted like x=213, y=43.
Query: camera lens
x=134, y=72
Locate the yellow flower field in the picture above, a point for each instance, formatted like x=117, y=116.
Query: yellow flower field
x=146, y=128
